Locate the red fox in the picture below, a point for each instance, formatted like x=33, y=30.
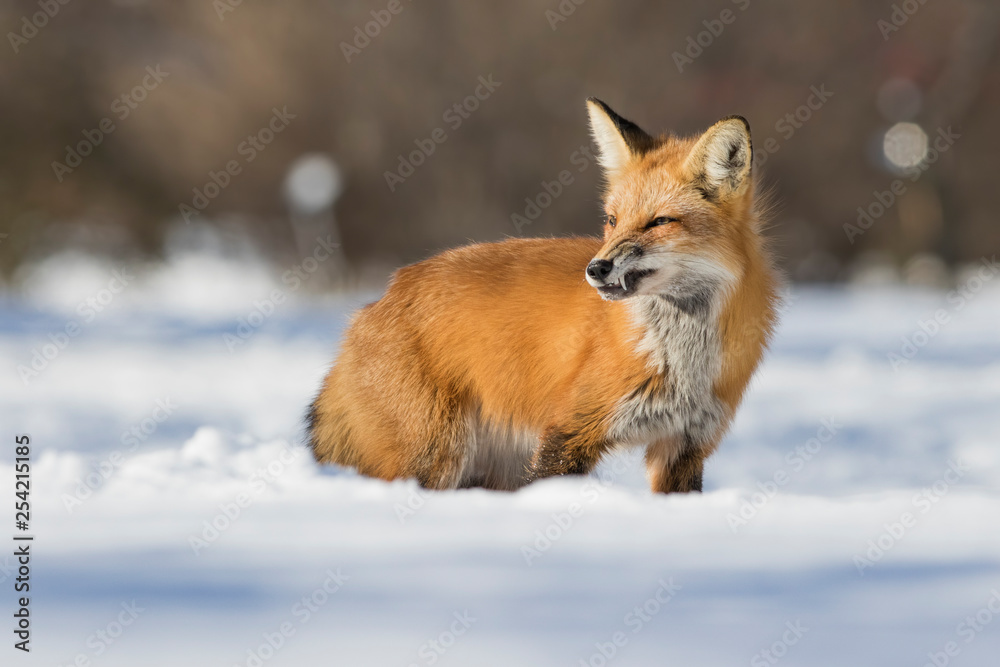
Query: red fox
x=497, y=364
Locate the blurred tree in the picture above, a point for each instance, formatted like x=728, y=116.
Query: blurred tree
x=369, y=87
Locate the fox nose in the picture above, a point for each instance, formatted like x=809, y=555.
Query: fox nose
x=598, y=269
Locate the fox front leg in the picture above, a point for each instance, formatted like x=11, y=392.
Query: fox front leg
x=675, y=465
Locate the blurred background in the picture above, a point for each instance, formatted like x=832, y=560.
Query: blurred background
x=121, y=116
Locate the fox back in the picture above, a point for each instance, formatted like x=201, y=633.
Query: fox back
x=500, y=363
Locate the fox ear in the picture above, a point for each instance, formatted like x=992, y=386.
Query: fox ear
x=618, y=140
x=720, y=161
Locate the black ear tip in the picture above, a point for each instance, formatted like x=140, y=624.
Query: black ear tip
x=600, y=103
x=743, y=120
x=636, y=139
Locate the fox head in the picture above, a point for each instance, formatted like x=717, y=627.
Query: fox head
x=679, y=217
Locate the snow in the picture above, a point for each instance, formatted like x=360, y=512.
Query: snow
x=868, y=494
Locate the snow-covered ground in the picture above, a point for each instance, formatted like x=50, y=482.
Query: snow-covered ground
x=850, y=517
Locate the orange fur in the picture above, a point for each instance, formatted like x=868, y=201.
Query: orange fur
x=497, y=363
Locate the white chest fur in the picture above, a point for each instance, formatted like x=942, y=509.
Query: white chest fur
x=681, y=343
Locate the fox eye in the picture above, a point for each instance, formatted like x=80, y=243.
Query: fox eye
x=662, y=220
x=611, y=220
